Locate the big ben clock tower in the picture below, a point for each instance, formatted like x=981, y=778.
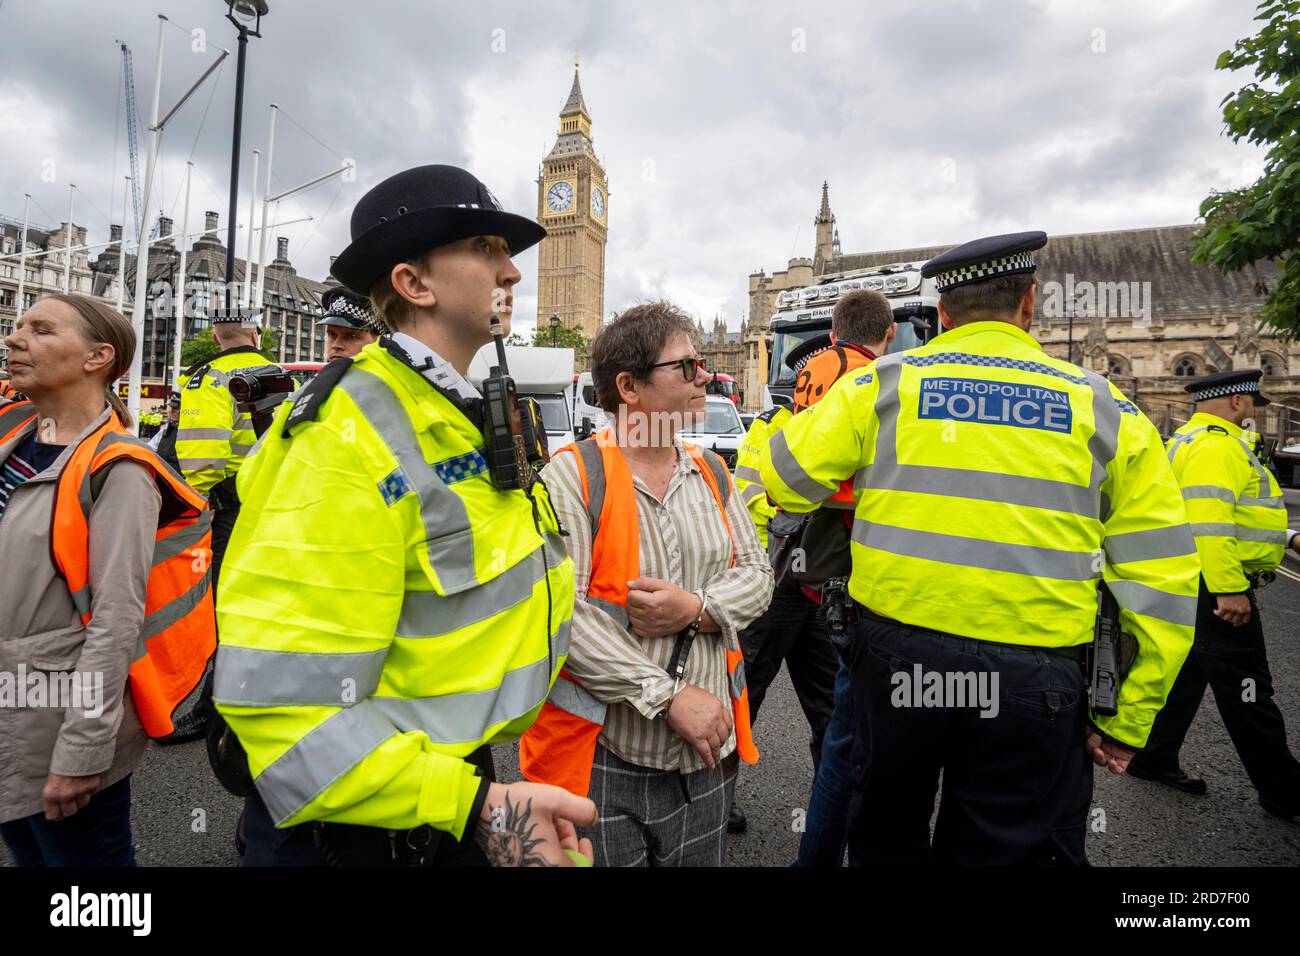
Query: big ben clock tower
x=573, y=205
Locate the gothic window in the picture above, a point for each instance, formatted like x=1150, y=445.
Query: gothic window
x=1185, y=367
x=1271, y=364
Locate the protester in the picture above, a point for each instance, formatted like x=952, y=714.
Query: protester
x=76, y=487
x=654, y=719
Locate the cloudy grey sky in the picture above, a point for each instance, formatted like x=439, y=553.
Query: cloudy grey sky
x=934, y=120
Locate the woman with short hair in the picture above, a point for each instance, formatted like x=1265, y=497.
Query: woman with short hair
x=88, y=517
x=653, y=719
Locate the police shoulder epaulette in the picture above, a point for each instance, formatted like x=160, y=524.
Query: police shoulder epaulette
x=196, y=376
x=770, y=414
x=314, y=393
x=1218, y=428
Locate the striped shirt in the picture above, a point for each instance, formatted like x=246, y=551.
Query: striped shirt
x=683, y=540
x=28, y=459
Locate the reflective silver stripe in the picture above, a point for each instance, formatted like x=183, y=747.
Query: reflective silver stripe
x=1167, y=542
x=560, y=639
x=176, y=608
x=1021, y=490
x=325, y=754
x=247, y=676
x=81, y=600
x=889, y=368
x=1266, y=535
x=203, y=464
x=1214, y=529
x=178, y=542
x=569, y=697
x=203, y=434
x=464, y=718
x=1140, y=599
x=736, y=681
x=1183, y=439
x=792, y=473
x=751, y=492
x=1105, y=436
x=1193, y=492
x=746, y=473
x=240, y=449
x=1249, y=502
x=617, y=611
x=557, y=550
x=977, y=552
x=429, y=614
x=446, y=519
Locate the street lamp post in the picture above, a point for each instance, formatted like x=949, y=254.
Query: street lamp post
x=555, y=328
x=241, y=13
x=173, y=255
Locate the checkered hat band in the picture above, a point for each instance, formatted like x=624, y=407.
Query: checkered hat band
x=354, y=312
x=1219, y=391
x=978, y=271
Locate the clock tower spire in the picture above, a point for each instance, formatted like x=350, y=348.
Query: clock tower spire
x=573, y=205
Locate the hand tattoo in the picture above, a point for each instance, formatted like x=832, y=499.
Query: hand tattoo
x=507, y=839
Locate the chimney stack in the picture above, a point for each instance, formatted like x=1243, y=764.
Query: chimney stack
x=282, y=248
x=114, y=233
x=210, y=222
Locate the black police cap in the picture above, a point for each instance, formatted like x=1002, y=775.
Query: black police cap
x=986, y=258
x=1232, y=382
x=343, y=307
x=418, y=210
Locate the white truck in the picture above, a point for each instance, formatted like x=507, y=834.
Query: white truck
x=543, y=374
x=805, y=313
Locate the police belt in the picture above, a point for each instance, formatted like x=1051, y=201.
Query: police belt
x=349, y=844
x=1078, y=653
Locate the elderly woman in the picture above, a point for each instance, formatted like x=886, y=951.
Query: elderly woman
x=669, y=570
x=71, y=737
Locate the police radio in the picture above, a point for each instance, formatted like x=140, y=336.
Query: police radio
x=511, y=430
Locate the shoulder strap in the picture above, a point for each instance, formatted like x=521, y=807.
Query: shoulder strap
x=593, y=465
x=770, y=414
x=312, y=395
x=196, y=378
x=720, y=473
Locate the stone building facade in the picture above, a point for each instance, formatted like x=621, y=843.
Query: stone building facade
x=724, y=350
x=1127, y=303
x=291, y=303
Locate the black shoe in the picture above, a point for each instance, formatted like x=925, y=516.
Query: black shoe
x=1178, y=779
x=736, y=822
x=1279, y=810
x=190, y=727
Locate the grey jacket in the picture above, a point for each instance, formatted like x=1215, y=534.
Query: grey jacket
x=42, y=637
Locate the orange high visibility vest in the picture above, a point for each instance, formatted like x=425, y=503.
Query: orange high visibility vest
x=179, y=632
x=815, y=379
x=560, y=747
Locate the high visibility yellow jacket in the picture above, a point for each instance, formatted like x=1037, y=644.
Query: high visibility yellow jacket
x=1234, y=504
x=749, y=483
x=995, y=487
x=384, y=610
x=213, y=436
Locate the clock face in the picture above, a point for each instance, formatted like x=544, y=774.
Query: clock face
x=559, y=197
x=597, y=202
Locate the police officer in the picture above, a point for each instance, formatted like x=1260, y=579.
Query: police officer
x=996, y=486
x=212, y=440
x=1239, y=520
x=368, y=663
x=350, y=323
x=164, y=442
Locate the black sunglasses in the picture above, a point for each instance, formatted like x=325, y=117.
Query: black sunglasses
x=690, y=366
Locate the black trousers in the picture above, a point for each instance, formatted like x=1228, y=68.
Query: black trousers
x=792, y=630
x=1016, y=783
x=1226, y=658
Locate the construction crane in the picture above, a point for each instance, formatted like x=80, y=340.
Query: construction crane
x=132, y=129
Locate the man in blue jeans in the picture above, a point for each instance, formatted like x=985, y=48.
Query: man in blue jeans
x=826, y=825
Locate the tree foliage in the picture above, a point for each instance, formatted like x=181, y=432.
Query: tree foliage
x=1262, y=220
